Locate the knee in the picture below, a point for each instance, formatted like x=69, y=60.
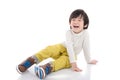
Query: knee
x=66, y=58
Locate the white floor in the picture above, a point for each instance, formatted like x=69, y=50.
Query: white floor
x=64, y=74
x=106, y=69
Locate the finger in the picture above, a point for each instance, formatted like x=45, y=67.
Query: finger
x=78, y=70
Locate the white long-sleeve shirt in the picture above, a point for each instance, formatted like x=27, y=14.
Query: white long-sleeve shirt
x=75, y=43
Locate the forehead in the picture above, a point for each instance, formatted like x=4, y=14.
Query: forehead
x=78, y=17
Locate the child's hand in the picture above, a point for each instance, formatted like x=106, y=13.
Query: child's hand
x=75, y=68
x=93, y=62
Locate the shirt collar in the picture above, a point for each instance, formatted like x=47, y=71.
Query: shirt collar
x=79, y=34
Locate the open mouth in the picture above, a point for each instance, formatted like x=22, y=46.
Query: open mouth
x=76, y=26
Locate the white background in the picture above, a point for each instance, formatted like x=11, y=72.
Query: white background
x=27, y=26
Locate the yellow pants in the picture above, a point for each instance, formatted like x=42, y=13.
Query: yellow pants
x=58, y=52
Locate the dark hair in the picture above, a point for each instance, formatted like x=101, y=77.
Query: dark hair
x=79, y=12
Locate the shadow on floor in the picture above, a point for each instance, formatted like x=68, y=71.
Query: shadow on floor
x=64, y=74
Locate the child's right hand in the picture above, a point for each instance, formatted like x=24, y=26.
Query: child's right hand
x=75, y=68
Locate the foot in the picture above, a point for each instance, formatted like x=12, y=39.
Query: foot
x=42, y=71
x=25, y=65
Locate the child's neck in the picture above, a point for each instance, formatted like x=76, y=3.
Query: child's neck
x=77, y=32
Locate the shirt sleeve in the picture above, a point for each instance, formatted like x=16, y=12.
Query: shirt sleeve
x=86, y=47
x=69, y=46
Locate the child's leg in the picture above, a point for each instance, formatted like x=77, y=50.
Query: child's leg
x=53, y=51
x=50, y=51
x=60, y=63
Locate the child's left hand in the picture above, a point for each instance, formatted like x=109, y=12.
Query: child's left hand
x=93, y=62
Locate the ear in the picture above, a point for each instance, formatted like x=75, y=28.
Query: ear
x=85, y=26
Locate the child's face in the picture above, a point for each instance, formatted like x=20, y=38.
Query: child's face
x=77, y=24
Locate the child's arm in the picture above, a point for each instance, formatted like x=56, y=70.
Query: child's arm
x=70, y=51
x=69, y=46
x=86, y=49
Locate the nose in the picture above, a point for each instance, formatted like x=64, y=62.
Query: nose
x=75, y=22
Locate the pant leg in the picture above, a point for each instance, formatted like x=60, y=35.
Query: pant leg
x=61, y=63
x=53, y=51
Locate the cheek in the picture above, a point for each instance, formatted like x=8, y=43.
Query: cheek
x=82, y=25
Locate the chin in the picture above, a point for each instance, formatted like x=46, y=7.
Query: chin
x=77, y=32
